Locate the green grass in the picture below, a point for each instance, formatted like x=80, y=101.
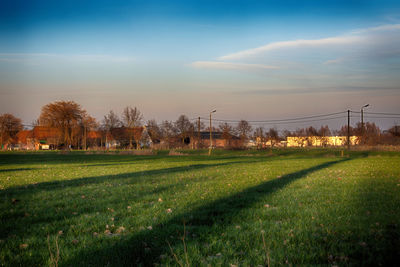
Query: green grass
x=243, y=208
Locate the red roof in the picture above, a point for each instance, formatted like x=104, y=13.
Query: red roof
x=43, y=132
x=136, y=131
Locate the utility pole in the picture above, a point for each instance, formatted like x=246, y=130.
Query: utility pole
x=210, y=148
x=198, y=133
x=362, y=121
x=348, y=129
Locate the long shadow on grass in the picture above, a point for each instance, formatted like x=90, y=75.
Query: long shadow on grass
x=16, y=196
x=144, y=248
x=364, y=232
x=87, y=159
x=70, y=158
x=378, y=218
x=134, y=177
x=115, y=158
x=51, y=215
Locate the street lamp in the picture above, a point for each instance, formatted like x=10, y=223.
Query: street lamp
x=210, y=148
x=362, y=120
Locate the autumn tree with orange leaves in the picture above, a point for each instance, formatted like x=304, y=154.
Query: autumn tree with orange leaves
x=9, y=127
x=66, y=116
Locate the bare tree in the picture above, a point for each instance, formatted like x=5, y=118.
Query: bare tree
x=198, y=127
x=395, y=131
x=227, y=132
x=131, y=118
x=109, y=122
x=168, y=130
x=273, y=136
x=392, y=136
x=63, y=115
x=311, y=131
x=372, y=134
x=201, y=128
x=213, y=129
x=183, y=125
x=311, y=134
x=154, y=130
x=369, y=135
x=343, y=130
x=244, y=129
x=301, y=134
x=9, y=127
x=259, y=137
x=324, y=132
x=286, y=134
x=88, y=123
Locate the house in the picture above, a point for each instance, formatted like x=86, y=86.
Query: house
x=46, y=137
x=25, y=140
x=267, y=142
x=145, y=139
x=39, y=138
x=94, y=139
x=122, y=137
x=320, y=141
x=218, y=140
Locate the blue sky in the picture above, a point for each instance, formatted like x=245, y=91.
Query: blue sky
x=248, y=59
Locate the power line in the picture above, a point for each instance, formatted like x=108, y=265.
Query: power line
x=323, y=116
x=378, y=117
x=300, y=121
x=383, y=113
x=382, y=117
x=305, y=119
x=377, y=113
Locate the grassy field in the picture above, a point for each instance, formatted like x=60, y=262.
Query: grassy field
x=235, y=208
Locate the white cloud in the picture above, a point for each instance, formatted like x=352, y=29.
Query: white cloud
x=230, y=66
x=386, y=27
x=293, y=44
x=356, y=37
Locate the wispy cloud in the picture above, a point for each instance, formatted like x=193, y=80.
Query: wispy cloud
x=292, y=44
x=386, y=27
x=230, y=66
x=355, y=37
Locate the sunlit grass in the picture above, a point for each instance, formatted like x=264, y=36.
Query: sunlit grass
x=311, y=207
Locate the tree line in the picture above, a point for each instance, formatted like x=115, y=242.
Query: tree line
x=73, y=124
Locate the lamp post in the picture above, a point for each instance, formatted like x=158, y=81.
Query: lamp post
x=362, y=121
x=210, y=148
